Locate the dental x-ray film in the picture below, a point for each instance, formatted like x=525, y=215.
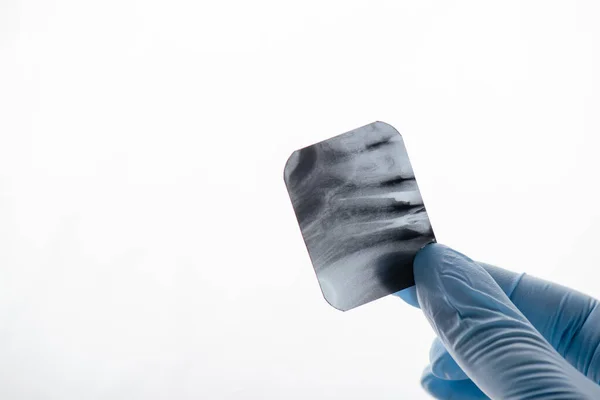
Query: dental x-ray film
x=361, y=214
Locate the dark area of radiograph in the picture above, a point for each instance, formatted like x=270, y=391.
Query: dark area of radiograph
x=360, y=212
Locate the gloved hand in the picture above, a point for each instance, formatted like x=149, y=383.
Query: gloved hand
x=503, y=335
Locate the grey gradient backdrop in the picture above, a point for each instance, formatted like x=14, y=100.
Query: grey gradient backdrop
x=148, y=249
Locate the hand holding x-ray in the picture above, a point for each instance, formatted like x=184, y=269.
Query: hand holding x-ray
x=503, y=335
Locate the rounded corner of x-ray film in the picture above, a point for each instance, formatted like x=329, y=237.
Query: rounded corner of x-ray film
x=385, y=126
x=360, y=212
x=290, y=165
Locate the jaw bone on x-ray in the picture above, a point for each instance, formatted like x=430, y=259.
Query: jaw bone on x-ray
x=360, y=212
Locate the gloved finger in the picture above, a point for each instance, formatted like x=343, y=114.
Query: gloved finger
x=446, y=390
x=409, y=295
x=507, y=280
x=442, y=364
x=568, y=320
x=492, y=341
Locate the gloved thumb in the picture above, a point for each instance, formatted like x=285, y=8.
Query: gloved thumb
x=488, y=337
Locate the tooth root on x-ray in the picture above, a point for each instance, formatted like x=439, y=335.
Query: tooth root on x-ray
x=360, y=212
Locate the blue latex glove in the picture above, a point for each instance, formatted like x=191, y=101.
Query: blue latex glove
x=503, y=335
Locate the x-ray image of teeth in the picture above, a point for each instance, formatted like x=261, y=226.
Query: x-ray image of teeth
x=360, y=212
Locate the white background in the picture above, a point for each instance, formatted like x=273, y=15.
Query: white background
x=148, y=249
